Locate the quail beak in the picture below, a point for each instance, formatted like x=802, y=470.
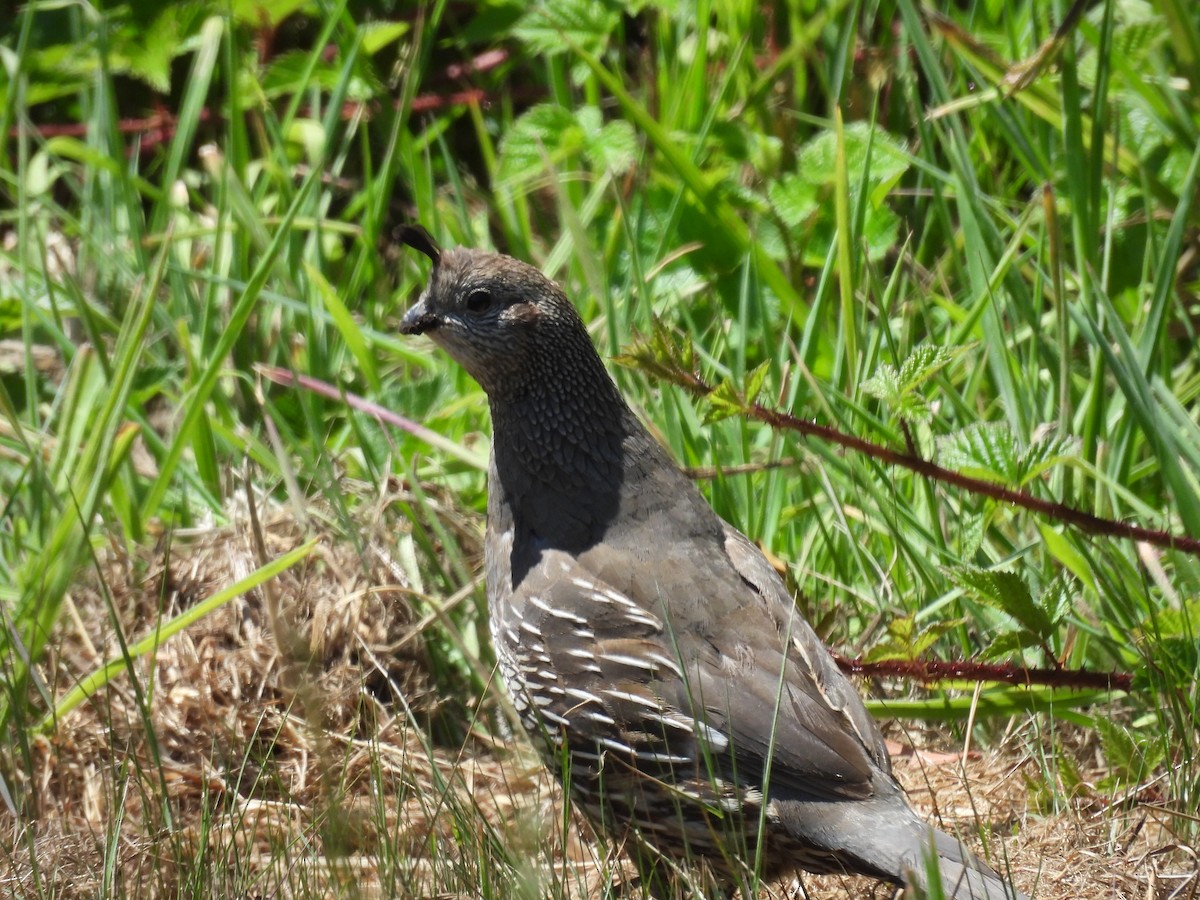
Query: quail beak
x=419, y=319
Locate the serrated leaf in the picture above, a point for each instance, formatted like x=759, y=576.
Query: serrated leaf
x=755, y=382
x=613, y=148
x=884, y=384
x=794, y=199
x=1056, y=598
x=552, y=28
x=377, y=35
x=912, y=407
x=931, y=635
x=1172, y=636
x=145, y=50
x=901, y=389
x=1174, y=654
x=902, y=628
x=898, y=644
x=289, y=73
x=1183, y=620
x=1004, y=591
x=1046, y=453
x=727, y=399
x=548, y=136
x=971, y=532
x=905, y=641
x=885, y=651
x=662, y=353
x=543, y=136
x=984, y=450
x=1068, y=772
x=723, y=401
x=1139, y=29
x=1007, y=644
x=1131, y=760
x=922, y=363
x=881, y=231
x=817, y=160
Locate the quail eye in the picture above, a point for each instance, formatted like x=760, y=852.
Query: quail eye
x=479, y=300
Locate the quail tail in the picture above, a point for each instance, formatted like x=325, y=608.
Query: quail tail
x=890, y=841
x=963, y=875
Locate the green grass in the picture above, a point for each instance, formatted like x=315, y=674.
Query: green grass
x=804, y=202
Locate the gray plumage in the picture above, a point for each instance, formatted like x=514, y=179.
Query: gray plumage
x=650, y=648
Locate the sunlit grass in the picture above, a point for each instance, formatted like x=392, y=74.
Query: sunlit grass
x=810, y=198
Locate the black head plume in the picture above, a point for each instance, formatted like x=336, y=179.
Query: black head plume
x=418, y=238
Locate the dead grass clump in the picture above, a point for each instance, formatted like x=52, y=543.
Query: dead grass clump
x=286, y=745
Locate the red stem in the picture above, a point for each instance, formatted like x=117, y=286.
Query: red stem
x=1084, y=521
x=967, y=670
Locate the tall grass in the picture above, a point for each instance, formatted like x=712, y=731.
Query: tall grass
x=813, y=194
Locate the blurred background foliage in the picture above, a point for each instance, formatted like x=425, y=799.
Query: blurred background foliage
x=968, y=233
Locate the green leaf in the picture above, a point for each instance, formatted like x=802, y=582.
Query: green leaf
x=146, y=49
x=972, y=530
x=801, y=198
x=755, y=381
x=1139, y=31
x=552, y=28
x=663, y=353
x=724, y=401
x=794, y=199
x=1130, y=759
x=983, y=450
x=1062, y=548
x=817, y=160
x=1182, y=621
x=374, y=36
x=728, y=399
x=609, y=147
x=901, y=390
x=1045, y=794
x=906, y=642
x=881, y=231
x=922, y=363
x=914, y=408
x=1057, y=598
x=884, y=385
x=1044, y=453
x=293, y=72
x=544, y=137
x=1172, y=637
x=1007, y=644
x=1004, y=591
x=263, y=13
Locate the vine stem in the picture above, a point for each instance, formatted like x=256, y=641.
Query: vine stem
x=968, y=670
x=1084, y=521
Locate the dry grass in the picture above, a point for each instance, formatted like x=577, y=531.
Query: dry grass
x=281, y=747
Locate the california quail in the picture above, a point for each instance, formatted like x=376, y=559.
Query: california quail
x=649, y=647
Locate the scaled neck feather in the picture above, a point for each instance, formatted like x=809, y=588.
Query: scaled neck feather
x=566, y=448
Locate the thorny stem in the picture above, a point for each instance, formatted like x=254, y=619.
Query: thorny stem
x=1084, y=521
x=943, y=670
x=161, y=126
